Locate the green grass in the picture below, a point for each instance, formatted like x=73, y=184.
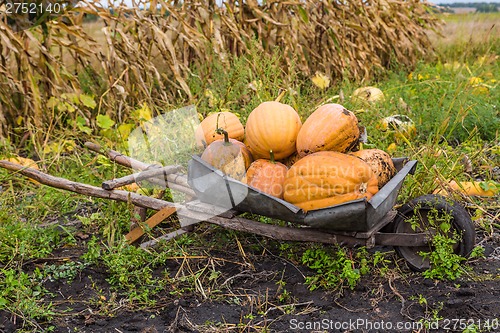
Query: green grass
x=465, y=37
x=453, y=100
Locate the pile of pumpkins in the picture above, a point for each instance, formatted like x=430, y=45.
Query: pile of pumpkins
x=310, y=165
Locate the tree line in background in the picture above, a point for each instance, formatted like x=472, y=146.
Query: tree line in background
x=481, y=7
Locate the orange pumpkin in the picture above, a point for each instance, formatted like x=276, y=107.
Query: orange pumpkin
x=206, y=132
x=267, y=176
x=272, y=126
x=328, y=178
x=331, y=127
x=380, y=162
x=230, y=156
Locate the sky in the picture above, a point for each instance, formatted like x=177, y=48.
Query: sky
x=466, y=1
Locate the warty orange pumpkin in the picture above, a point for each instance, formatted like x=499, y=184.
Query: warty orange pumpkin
x=272, y=126
x=380, y=162
x=206, y=132
x=267, y=176
x=331, y=127
x=230, y=156
x=328, y=178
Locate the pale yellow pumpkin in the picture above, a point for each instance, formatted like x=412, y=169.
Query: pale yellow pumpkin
x=272, y=126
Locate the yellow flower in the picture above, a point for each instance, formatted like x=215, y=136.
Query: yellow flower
x=473, y=81
x=480, y=90
x=392, y=148
x=320, y=80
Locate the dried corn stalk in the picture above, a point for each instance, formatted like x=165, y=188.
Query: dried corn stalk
x=134, y=56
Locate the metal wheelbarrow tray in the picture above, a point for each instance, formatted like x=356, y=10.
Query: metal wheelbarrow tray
x=355, y=223
x=213, y=187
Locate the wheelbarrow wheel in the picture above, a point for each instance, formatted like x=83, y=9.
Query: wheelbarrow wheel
x=416, y=216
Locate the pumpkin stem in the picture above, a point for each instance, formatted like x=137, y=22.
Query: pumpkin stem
x=217, y=123
x=222, y=131
x=271, y=155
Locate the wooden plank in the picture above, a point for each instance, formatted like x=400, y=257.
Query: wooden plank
x=143, y=175
x=153, y=221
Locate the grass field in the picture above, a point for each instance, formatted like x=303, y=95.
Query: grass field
x=452, y=98
x=468, y=35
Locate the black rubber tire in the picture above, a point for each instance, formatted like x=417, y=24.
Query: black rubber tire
x=461, y=223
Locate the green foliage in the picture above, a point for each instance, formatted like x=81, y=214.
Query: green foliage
x=19, y=241
x=445, y=264
x=66, y=271
x=22, y=294
x=130, y=269
x=431, y=311
x=334, y=269
x=487, y=8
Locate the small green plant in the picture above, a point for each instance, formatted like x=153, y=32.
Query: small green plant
x=477, y=252
x=283, y=294
x=22, y=294
x=93, y=251
x=333, y=269
x=431, y=311
x=19, y=240
x=130, y=268
x=66, y=271
x=381, y=262
x=445, y=263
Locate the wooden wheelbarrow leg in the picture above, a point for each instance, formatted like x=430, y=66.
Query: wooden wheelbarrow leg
x=153, y=221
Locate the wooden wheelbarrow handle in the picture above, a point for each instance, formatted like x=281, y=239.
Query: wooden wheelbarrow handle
x=94, y=191
x=175, y=181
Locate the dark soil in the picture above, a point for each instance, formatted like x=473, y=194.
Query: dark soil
x=263, y=291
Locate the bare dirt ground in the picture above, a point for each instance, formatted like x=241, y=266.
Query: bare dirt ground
x=262, y=291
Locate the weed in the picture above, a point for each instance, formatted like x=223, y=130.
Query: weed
x=445, y=264
x=19, y=241
x=22, y=295
x=381, y=262
x=66, y=271
x=283, y=295
x=130, y=269
x=431, y=311
x=333, y=268
x=93, y=251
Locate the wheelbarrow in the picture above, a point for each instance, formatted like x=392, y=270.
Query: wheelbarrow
x=216, y=198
